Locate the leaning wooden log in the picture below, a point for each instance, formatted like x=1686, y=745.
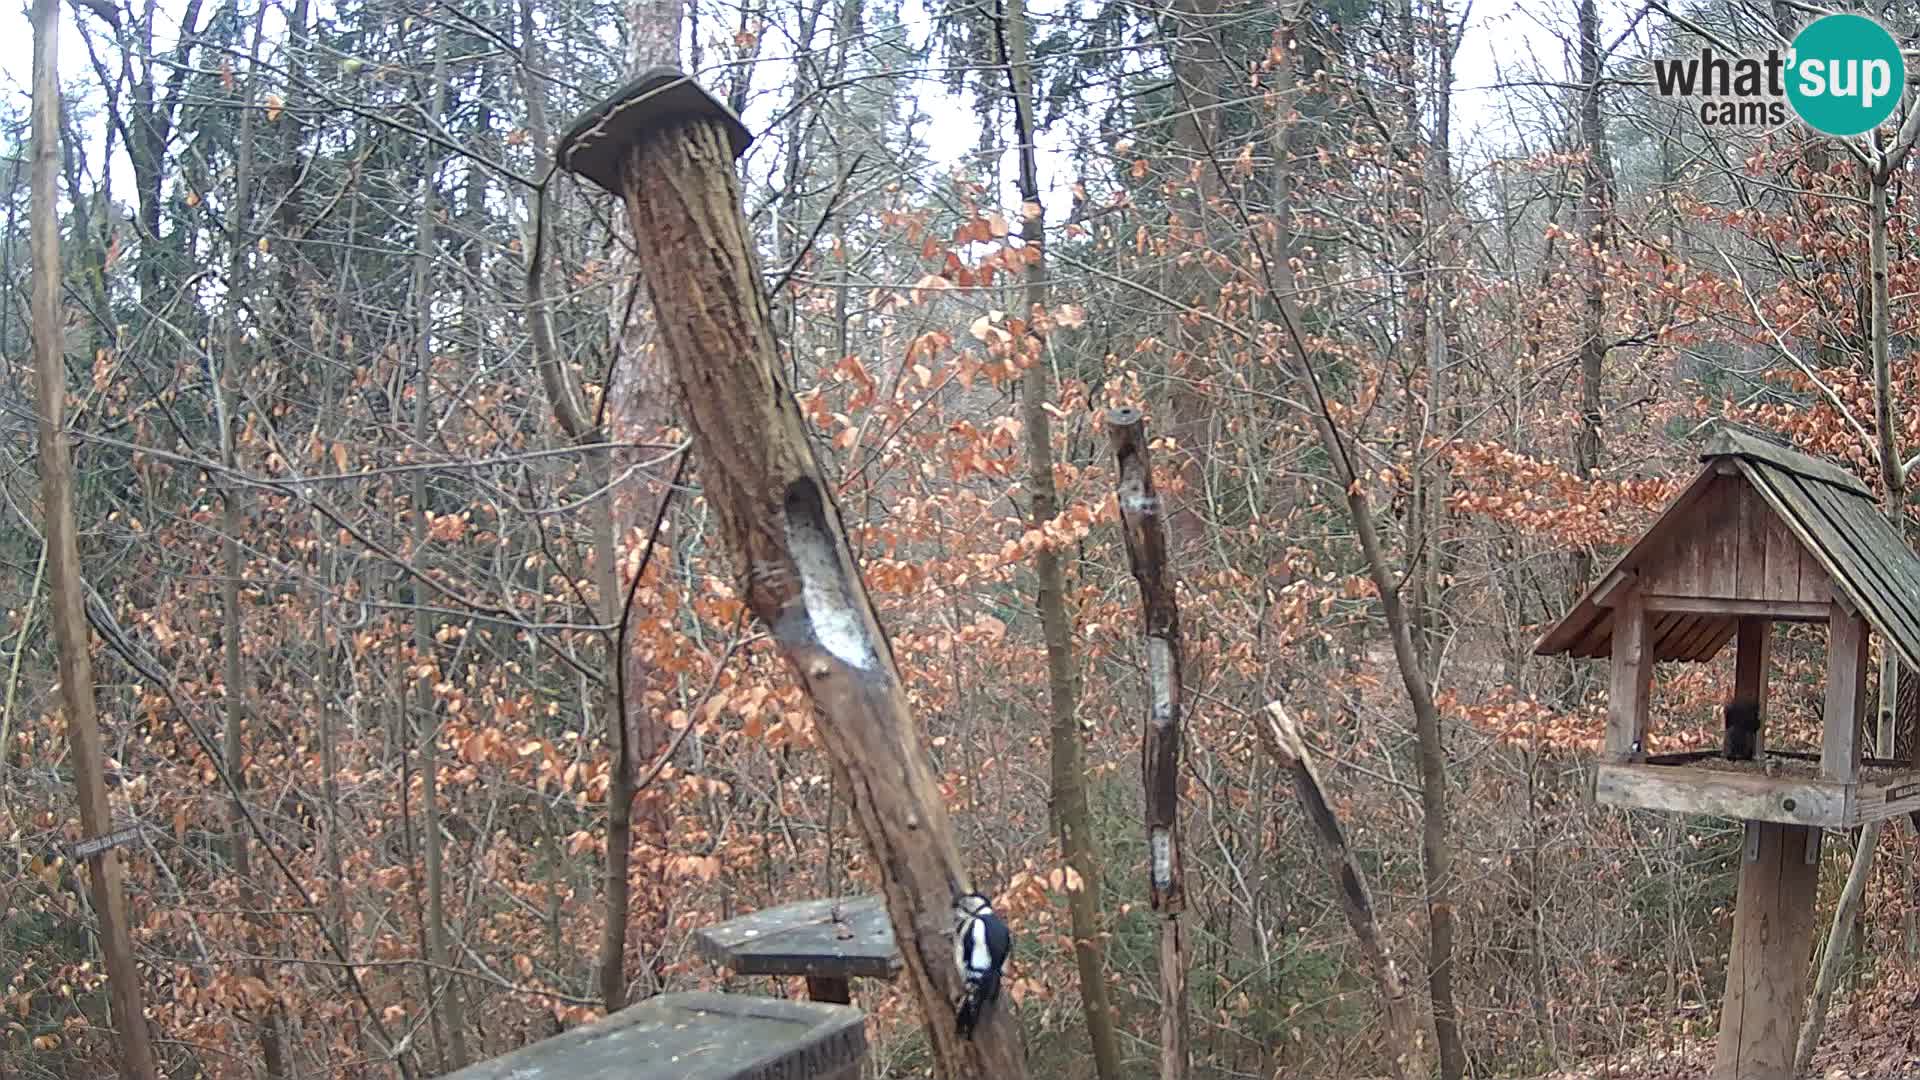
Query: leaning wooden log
x=1406, y=1039
x=1143, y=524
x=667, y=148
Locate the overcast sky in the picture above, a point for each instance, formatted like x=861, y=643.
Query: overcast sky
x=1505, y=39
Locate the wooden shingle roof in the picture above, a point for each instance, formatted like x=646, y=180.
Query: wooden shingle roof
x=1829, y=512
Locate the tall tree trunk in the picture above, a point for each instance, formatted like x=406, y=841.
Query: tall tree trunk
x=1445, y=413
x=65, y=587
x=448, y=1004
x=624, y=706
x=1594, y=187
x=1894, y=480
x=1416, y=331
x=1436, y=846
x=639, y=404
x=226, y=396
x=1199, y=69
x=1071, y=816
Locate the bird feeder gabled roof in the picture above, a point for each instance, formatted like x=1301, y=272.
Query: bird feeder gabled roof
x=1755, y=500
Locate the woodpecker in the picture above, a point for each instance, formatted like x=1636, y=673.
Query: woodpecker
x=981, y=943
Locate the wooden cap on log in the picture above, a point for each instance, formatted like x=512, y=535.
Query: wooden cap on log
x=596, y=145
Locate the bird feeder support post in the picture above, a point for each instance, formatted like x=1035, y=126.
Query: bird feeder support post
x=1632, y=679
x=1847, y=637
x=1753, y=655
x=829, y=988
x=667, y=148
x=1767, y=965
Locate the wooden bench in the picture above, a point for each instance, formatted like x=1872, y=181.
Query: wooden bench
x=700, y=1036
x=806, y=939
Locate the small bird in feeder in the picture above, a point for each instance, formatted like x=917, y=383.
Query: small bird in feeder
x=1743, y=730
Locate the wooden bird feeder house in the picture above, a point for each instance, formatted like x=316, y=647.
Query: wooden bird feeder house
x=1762, y=535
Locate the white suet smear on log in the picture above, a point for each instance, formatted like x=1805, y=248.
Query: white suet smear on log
x=836, y=626
x=1160, y=677
x=1160, y=851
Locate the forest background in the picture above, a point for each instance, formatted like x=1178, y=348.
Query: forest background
x=415, y=644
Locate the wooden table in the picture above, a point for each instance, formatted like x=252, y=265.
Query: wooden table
x=696, y=1037
x=804, y=939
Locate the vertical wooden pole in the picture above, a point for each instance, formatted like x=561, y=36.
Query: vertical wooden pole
x=64, y=583
x=1767, y=967
x=830, y=988
x=1846, y=695
x=1753, y=656
x=1143, y=526
x=1632, y=679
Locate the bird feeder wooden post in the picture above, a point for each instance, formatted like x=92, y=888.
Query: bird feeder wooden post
x=1762, y=535
x=667, y=148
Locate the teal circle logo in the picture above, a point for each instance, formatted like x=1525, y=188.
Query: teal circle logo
x=1847, y=74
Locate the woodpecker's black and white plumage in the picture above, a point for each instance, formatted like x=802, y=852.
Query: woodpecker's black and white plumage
x=981, y=942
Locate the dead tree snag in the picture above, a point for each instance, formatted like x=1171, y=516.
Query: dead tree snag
x=1406, y=1041
x=667, y=147
x=1143, y=524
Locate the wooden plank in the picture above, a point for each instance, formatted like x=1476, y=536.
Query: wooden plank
x=1573, y=625
x=87, y=849
x=1829, y=523
x=1752, y=664
x=1778, y=610
x=803, y=939
x=1665, y=633
x=1744, y=796
x=1583, y=632
x=1882, y=572
x=1782, y=555
x=1742, y=444
x=1846, y=696
x=1719, y=640
x=1815, y=584
x=1596, y=641
x=1806, y=524
x=1686, y=569
x=1708, y=629
x=1631, y=682
x=1719, y=539
x=1869, y=567
x=699, y=1036
x=1753, y=518
x=1891, y=797
x=1607, y=593
x=1767, y=964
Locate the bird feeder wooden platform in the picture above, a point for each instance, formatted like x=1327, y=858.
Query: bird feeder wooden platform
x=1763, y=535
x=696, y=1037
x=830, y=942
